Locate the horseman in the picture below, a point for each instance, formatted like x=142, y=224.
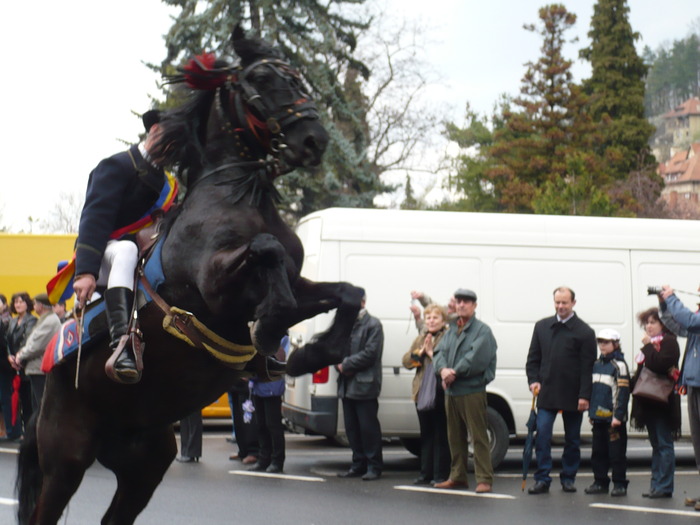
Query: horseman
x=124, y=193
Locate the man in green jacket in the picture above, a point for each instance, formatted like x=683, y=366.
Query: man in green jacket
x=466, y=362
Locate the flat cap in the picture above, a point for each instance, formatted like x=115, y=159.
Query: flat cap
x=465, y=293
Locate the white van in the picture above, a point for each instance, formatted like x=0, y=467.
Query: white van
x=513, y=263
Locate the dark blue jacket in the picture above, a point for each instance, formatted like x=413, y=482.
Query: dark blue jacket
x=121, y=189
x=611, y=388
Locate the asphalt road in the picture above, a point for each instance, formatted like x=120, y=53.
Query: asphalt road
x=218, y=491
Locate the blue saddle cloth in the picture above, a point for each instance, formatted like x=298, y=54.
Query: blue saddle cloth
x=65, y=343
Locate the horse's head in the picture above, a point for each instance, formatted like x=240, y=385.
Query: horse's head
x=256, y=109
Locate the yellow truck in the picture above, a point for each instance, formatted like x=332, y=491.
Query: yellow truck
x=27, y=262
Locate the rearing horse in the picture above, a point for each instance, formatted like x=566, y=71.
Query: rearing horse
x=227, y=258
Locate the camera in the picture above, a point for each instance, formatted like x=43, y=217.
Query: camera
x=653, y=290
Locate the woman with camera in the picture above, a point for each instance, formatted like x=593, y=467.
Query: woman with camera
x=662, y=420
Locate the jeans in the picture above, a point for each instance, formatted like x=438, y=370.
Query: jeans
x=571, y=457
x=609, y=451
x=663, y=458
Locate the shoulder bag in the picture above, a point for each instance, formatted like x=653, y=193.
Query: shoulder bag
x=652, y=386
x=426, y=394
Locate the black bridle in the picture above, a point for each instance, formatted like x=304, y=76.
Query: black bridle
x=241, y=107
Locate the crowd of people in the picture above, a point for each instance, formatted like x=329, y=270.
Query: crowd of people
x=571, y=371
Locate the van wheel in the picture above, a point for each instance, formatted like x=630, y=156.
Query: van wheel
x=499, y=439
x=412, y=445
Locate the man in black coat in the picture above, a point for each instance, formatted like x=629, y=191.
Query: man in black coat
x=359, y=384
x=123, y=191
x=559, y=369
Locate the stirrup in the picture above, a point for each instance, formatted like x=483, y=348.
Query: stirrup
x=127, y=376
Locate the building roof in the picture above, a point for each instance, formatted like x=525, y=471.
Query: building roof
x=684, y=166
x=689, y=107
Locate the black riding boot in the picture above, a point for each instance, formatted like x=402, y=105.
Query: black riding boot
x=122, y=367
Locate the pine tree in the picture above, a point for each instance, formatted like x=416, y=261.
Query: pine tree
x=534, y=150
x=616, y=90
x=319, y=38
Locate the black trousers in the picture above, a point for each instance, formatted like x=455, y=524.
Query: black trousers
x=246, y=433
x=364, y=434
x=191, y=435
x=435, y=450
x=37, y=383
x=270, y=430
x=609, y=451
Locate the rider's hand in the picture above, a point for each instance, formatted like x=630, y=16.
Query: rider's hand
x=84, y=286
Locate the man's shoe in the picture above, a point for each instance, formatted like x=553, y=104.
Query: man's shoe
x=352, y=473
x=372, y=475
x=230, y=439
x=234, y=457
x=618, y=491
x=596, y=488
x=482, y=488
x=539, y=487
x=697, y=505
x=258, y=467
x=653, y=494
x=421, y=481
x=690, y=502
x=274, y=469
x=187, y=459
x=450, y=484
x=568, y=486
x=249, y=460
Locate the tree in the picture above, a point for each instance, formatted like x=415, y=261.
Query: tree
x=410, y=202
x=320, y=38
x=65, y=215
x=616, y=90
x=535, y=148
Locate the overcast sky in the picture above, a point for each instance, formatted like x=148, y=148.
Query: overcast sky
x=73, y=74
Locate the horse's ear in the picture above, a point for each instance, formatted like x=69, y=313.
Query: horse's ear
x=250, y=49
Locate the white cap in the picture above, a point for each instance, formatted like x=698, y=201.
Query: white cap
x=608, y=334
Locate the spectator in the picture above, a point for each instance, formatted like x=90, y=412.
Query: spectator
x=435, y=450
x=267, y=399
x=466, y=362
x=18, y=332
x=30, y=355
x=559, y=371
x=191, y=429
x=246, y=432
x=4, y=324
x=60, y=310
x=359, y=384
x=4, y=313
x=684, y=323
x=662, y=421
x=608, y=414
x=425, y=300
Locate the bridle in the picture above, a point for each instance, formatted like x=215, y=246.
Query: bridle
x=242, y=108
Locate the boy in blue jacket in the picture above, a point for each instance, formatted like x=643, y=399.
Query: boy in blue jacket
x=608, y=415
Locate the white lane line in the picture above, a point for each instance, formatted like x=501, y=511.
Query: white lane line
x=652, y=510
x=8, y=501
x=277, y=476
x=9, y=451
x=469, y=493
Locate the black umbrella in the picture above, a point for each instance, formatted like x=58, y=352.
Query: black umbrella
x=530, y=439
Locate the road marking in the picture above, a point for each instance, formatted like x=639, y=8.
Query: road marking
x=652, y=510
x=9, y=451
x=278, y=476
x=8, y=501
x=469, y=493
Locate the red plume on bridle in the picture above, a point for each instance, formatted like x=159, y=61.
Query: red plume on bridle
x=201, y=73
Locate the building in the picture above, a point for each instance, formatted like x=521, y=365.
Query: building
x=681, y=174
x=677, y=129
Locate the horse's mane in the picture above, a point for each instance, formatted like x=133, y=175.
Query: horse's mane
x=183, y=132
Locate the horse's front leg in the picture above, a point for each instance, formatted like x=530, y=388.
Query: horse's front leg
x=329, y=347
x=255, y=274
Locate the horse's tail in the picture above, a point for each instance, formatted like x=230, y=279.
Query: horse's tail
x=29, y=475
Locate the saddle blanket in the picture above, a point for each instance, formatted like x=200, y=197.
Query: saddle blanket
x=66, y=341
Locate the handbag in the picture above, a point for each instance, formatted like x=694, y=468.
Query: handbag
x=652, y=386
x=426, y=394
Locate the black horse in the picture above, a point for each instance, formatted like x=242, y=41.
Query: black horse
x=228, y=259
